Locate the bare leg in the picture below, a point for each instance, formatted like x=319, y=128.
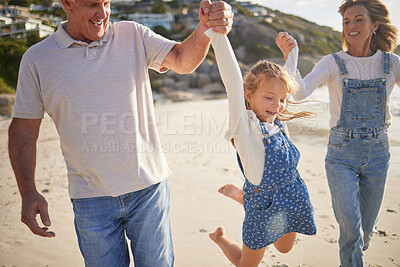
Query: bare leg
x=232, y=191
x=283, y=244
x=286, y=242
x=246, y=257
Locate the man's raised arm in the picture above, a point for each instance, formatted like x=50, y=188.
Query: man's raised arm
x=185, y=57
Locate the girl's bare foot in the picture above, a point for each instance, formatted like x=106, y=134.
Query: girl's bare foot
x=216, y=236
x=232, y=191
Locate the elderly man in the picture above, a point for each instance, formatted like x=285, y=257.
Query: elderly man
x=91, y=77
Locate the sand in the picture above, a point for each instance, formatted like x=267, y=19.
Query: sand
x=192, y=134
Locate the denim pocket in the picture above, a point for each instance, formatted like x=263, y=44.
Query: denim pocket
x=337, y=140
x=383, y=139
x=363, y=103
x=264, y=201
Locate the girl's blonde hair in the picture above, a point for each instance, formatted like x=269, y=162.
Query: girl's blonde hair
x=264, y=69
x=385, y=37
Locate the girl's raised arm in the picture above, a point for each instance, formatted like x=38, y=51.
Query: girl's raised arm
x=231, y=76
x=315, y=78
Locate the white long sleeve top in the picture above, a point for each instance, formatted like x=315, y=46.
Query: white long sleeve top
x=244, y=125
x=327, y=72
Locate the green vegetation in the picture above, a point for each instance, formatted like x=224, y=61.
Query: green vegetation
x=293, y=26
x=242, y=10
x=11, y=52
x=159, y=7
x=320, y=43
x=56, y=11
x=26, y=3
x=4, y=88
x=162, y=31
x=236, y=40
x=257, y=51
x=274, y=26
x=155, y=86
x=397, y=50
x=319, y=47
x=174, y=4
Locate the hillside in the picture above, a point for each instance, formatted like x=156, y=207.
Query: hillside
x=252, y=37
x=313, y=39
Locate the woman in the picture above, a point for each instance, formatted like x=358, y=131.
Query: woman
x=360, y=79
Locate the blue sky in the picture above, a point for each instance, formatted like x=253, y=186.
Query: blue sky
x=323, y=12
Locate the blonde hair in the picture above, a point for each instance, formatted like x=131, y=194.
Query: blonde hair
x=264, y=69
x=385, y=37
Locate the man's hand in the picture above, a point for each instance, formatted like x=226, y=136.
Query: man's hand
x=286, y=43
x=218, y=16
x=33, y=204
x=185, y=57
x=22, y=139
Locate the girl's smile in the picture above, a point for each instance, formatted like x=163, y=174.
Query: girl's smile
x=268, y=100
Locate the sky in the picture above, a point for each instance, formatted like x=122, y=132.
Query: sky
x=324, y=12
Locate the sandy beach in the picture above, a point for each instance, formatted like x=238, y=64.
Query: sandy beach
x=192, y=135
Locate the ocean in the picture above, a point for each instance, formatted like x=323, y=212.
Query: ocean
x=321, y=94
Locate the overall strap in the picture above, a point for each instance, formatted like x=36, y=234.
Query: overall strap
x=340, y=63
x=386, y=63
x=277, y=122
x=280, y=125
x=240, y=163
x=263, y=128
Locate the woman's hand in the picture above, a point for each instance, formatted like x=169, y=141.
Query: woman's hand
x=286, y=43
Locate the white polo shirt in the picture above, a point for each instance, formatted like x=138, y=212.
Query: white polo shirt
x=100, y=100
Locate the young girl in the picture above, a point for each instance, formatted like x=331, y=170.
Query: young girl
x=275, y=198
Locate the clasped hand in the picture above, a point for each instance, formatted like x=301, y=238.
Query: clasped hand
x=217, y=15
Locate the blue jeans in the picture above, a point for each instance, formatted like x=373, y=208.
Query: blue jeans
x=102, y=225
x=356, y=167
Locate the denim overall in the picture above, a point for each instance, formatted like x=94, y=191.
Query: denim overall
x=357, y=162
x=280, y=204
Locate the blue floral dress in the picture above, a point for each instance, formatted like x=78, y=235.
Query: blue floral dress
x=281, y=203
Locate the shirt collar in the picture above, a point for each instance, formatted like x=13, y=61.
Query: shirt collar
x=64, y=40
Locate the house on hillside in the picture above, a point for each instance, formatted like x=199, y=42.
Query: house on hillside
x=23, y=28
x=14, y=12
x=143, y=7
x=5, y=20
x=256, y=9
x=152, y=20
